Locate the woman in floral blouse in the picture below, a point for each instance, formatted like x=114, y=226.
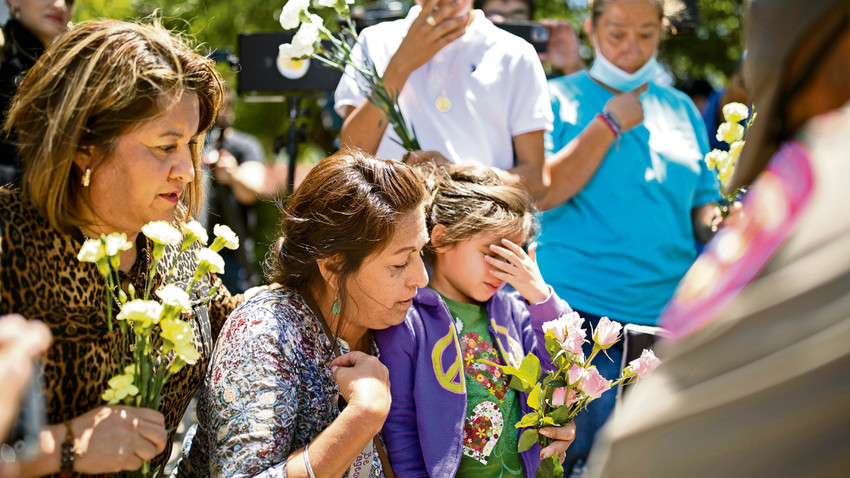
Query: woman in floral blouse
x=294, y=388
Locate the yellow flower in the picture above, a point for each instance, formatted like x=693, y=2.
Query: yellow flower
x=120, y=387
x=734, y=112
x=725, y=174
x=735, y=151
x=729, y=132
x=178, y=335
x=143, y=313
x=715, y=158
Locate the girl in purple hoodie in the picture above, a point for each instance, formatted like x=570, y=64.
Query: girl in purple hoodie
x=451, y=414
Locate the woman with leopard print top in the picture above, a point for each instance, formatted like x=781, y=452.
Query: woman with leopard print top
x=109, y=124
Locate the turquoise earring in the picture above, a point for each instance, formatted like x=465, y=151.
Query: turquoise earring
x=335, y=308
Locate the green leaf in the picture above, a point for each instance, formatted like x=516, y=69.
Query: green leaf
x=534, y=398
x=527, y=440
x=528, y=420
x=547, y=469
x=547, y=421
x=558, y=383
x=561, y=415
x=530, y=369
x=518, y=384
x=558, y=469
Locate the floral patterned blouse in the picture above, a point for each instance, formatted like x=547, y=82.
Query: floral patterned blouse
x=268, y=392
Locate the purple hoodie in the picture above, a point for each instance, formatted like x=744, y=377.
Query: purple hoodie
x=424, y=430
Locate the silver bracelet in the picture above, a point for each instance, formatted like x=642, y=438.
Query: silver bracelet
x=307, y=462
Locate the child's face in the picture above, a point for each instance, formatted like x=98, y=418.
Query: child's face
x=460, y=271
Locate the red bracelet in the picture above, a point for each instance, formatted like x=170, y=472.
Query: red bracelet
x=610, y=124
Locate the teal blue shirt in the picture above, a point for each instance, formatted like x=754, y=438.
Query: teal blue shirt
x=621, y=245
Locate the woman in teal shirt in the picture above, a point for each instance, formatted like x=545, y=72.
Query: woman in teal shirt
x=630, y=193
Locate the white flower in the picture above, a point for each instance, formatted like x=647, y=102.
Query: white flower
x=305, y=38
x=175, y=297
x=116, y=242
x=734, y=112
x=730, y=132
x=92, y=251
x=142, y=312
x=326, y=3
x=209, y=259
x=161, y=232
x=195, y=229
x=290, y=16
x=231, y=240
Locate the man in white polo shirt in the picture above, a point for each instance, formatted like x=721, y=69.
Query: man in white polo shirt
x=471, y=92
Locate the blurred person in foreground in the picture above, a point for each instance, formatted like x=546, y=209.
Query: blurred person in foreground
x=473, y=92
x=755, y=382
x=236, y=161
x=31, y=26
x=110, y=124
x=562, y=45
x=630, y=192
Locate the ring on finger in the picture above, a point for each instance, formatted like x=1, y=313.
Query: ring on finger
x=430, y=20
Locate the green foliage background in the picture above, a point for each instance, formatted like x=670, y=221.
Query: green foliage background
x=709, y=51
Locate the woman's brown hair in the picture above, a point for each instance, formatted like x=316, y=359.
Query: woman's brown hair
x=93, y=84
x=346, y=209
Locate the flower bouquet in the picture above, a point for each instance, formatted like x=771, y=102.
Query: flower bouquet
x=558, y=395
x=723, y=162
x=307, y=43
x=151, y=340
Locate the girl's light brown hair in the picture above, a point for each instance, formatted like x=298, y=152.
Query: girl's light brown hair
x=347, y=207
x=471, y=199
x=94, y=83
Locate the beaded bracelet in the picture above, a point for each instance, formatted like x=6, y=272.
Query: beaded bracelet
x=69, y=453
x=611, y=122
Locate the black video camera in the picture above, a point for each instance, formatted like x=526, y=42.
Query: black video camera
x=533, y=32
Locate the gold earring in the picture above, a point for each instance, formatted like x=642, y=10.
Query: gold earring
x=87, y=178
x=16, y=13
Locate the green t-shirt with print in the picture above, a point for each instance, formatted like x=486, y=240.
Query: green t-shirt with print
x=492, y=408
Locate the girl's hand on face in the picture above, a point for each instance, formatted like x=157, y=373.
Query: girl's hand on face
x=433, y=29
x=519, y=270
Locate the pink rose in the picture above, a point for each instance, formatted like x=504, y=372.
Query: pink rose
x=607, y=332
x=647, y=362
x=557, y=327
x=573, y=343
x=574, y=374
x=561, y=397
x=593, y=384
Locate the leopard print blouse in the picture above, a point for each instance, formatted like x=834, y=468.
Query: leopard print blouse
x=41, y=278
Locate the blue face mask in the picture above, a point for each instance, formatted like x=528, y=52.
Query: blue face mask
x=606, y=72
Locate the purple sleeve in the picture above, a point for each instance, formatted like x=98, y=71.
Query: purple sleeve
x=532, y=331
x=397, y=347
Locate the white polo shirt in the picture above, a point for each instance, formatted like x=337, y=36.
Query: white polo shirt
x=493, y=79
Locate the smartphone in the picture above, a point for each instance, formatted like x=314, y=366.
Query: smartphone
x=532, y=32
x=32, y=419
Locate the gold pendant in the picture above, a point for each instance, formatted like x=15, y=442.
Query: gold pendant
x=443, y=104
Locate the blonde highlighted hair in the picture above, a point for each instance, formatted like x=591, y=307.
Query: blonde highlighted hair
x=471, y=199
x=93, y=84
